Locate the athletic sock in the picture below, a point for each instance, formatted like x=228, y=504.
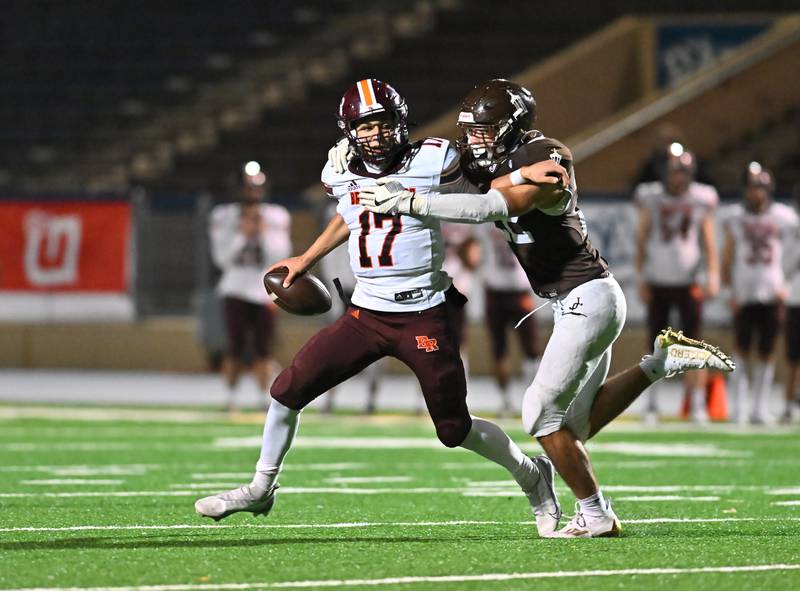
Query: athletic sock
x=698, y=402
x=280, y=427
x=594, y=506
x=490, y=441
x=740, y=388
x=653, y=368
x=763, y=376
x=232, y=395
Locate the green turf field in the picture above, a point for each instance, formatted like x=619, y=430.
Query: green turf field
x=364, y=503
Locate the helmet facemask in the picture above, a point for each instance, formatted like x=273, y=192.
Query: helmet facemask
x=487, y=143
x=378, y=149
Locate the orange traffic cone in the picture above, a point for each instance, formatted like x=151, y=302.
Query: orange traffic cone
x=716, y=397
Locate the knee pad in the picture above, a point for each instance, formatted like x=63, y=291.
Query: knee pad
x=453, y=432
x=283, y=392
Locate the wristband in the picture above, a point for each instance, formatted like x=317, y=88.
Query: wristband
x=517, y=178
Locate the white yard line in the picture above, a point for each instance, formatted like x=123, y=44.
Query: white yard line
x=660, y=498
x=367, y=479
x=352, y=525
x=634, y=448
x=72, y=481
x=791, y=490
x=493, y=490
x=786, y=503
x=488, y=577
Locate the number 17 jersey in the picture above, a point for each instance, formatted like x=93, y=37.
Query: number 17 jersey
x=397, y=260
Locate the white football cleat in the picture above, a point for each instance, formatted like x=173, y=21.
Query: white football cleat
x=591, y=526
x=679, y=353
x=244, y=498
x=543, y=499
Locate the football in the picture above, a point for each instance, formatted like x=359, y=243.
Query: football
x=307, y=296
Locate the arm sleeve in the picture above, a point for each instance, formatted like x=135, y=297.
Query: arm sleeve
x=467, y=208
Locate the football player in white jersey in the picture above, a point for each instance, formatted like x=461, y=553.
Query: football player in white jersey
x=399, y=307
x=535, y=204
x=245, y=238
x=676, y=228
x=791, y=266
x=755, y=234
x=508, y=299
x=336, y=266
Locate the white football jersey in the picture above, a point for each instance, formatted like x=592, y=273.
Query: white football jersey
x=759, y=240
x=243, y=261
x=791, y=267
x=673, y=248
x=499, y=267
x=397, y=260
x=455, y=235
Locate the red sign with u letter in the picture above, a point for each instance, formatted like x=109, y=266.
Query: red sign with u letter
x=65, y=246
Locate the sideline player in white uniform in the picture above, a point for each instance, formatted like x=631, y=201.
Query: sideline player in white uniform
x=399, y=307
x=536, y=204
x=755, y=233
x=246, y=237
x=676, y=227
x=508, y=299
x=791, y=266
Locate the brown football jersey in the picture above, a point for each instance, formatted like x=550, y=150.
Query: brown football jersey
x=554, y=250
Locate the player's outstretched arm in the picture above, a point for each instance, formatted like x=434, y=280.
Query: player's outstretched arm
x=334, y=234
x=541, y=185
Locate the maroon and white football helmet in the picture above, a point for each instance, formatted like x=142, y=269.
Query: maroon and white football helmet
x=368, y=99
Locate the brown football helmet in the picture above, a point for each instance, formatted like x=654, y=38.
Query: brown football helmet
x=374, y=99
x=495, y=117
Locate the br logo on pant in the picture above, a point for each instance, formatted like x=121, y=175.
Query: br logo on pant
x=429, y=345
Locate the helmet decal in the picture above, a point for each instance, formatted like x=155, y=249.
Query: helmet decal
x=366, y=92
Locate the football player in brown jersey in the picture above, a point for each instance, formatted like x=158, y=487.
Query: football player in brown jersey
x=532, y=197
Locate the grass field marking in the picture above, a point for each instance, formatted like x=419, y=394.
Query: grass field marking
x=367, y=479
x=677, y=449
x=661, y=498
x=786, y=503
x=488, y=577
x=87, y=470
x=200, y=488
x=72, y=481
x=789, y=490
x=347, y=525
x=634, y=448
x=350, y=525
x=207, y=485
x=670, y=488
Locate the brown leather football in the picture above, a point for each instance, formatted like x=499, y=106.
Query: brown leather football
x=307, y=296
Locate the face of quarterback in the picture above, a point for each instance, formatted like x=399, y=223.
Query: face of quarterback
x=756, y=198
x=375, y=135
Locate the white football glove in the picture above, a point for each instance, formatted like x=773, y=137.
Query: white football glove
x=387, y=197
x=340, y=155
